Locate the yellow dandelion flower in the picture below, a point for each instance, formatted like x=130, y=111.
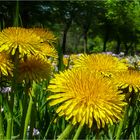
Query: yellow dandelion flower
x=73, y=58
x=48, y=50
x=34, y=68
x=6, y=66
x=100, y=62
x=129, y=79
x=49, y=39
x=24, y=39
x=46, y=35
x=86, y=98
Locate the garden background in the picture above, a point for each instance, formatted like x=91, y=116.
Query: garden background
x=70, y=69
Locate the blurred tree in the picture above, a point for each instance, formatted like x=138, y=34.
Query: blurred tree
x=7, y=13
x=110, y=20
x=124, y=17
x=63, y=13
x=87, y=18
x=30, y=12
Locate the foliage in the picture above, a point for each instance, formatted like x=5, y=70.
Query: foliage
x=111, y=20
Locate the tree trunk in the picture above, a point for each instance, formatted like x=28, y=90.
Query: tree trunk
x=85, y=31
x=105, y=41
x=104, y=47
x=118, y=45
x=76, y=43
x=133, y=50
x=85, y=42
x=64, y=41
x=67, y=26
x=135, y=47
x=127, y=47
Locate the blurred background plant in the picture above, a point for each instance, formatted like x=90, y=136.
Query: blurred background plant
x=91, y=26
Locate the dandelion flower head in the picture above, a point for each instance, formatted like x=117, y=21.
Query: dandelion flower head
x=129, y=79
x=47, y=36
x=100, y=62
x=6, y=65
x=34, y=68
x=48, y=50
x=86, y=98
x=49, y=39
x=25, y=40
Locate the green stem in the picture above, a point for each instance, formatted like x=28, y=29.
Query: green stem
x=10, y=103
x=78, y=132
x=46, y=134
x=28, y=115
x=66, y=132
x=32, y=122
x=16, y=18
x=24, y=105
x=1, y=120
x=1, y=126
x=63, y=124
x=10, y=118
x=122, y=123
x=60, y=59
x=9, y=126
x=130, y=126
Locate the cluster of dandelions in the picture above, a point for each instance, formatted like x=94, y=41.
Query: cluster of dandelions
x=91, y=92
x=28, y=50
x=24, y=60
